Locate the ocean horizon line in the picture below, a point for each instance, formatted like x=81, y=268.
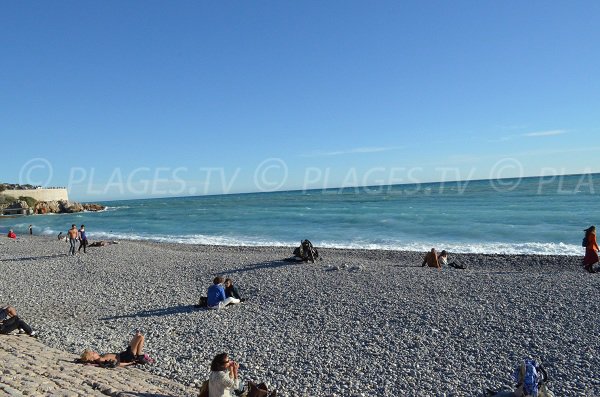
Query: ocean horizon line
x=342, y=188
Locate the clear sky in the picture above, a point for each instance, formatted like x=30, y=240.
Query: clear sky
x=119, y=99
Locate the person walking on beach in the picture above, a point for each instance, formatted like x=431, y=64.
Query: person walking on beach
x=591, y=249
x=9, y=322
x=431, y=259
x=73, y=233
x=223, y=377
x=83, y=241
x=216, y=297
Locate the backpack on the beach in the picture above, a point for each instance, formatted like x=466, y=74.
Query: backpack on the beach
x=306, y=251
x=204, y=389
x=530, y=377
x=203, y=302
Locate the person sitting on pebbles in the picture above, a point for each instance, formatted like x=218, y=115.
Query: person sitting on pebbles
x=223, y=377
x=133, y=355
x=431, y=260
x=231, y=291
x=443, y=261
x=9, y=322
x=11, y=234
x=216, y=295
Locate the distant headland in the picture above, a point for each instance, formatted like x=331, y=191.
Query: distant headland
x=18, y=199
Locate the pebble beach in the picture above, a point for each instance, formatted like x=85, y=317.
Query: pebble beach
x=357, y=323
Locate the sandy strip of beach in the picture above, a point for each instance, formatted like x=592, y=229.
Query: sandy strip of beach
x=357, y=323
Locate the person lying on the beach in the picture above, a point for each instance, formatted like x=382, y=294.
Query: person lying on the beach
x=216, y=295
x=231, y=291
x=133, y=355
x=11, y=234
x=9, y=322
x=431, y=259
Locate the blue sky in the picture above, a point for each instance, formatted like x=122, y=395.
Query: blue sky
x=131, y=99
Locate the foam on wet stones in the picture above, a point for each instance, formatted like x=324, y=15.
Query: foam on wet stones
x=379, y=324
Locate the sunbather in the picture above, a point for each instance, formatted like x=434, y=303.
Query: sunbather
x=133, y=355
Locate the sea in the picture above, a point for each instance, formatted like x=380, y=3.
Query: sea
x=539, y=215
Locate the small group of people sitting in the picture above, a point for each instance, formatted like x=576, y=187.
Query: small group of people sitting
x=222, y=293
x=432, y=259
x=9, y=322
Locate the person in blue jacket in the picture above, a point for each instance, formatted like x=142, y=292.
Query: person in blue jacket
x=216, y=295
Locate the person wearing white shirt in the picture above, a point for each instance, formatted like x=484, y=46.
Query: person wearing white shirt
x=223, y=377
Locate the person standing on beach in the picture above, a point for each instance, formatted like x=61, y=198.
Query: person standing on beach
x=30, y=230
x=591, y=249
x=83, y=241
x=73, y=233
x=431, y=260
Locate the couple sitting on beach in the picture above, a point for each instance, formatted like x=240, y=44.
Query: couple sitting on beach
x=432, y=259
x=222, y=293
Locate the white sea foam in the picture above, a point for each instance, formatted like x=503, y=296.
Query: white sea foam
x=530, y=248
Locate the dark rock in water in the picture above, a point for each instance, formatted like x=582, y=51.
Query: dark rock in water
x=93, y=207
x=70, y=207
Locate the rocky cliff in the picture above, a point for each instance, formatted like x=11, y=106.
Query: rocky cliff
x=51, y=207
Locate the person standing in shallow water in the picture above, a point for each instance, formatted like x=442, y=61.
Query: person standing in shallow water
x=30, y=230
x=83, y=241
x=591, y=249
x=73, y=233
